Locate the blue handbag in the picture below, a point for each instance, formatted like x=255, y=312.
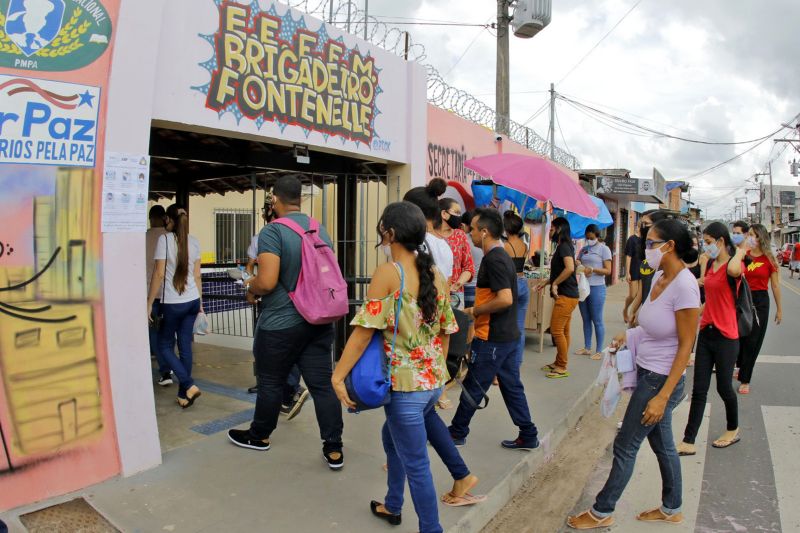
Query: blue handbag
x=369, y=384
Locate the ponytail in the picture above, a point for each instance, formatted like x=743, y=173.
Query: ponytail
x=180, y=228
x=428, y=293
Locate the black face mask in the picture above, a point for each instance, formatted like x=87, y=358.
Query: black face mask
x=454, y=221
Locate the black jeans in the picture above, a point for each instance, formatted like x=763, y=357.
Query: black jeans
x=750, y=346
x=308, y=347
x=713, y=349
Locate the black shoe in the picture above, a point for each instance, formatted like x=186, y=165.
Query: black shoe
x=393, y=519
x=241, y=437
x=165, y=379
x=519, y=444
x=253, y=389
x=299, y=399
x=335, y=463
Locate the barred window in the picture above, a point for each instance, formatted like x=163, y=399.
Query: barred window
x=233, y=231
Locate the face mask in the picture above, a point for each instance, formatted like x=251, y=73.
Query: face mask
x=711, y=249
x=737, y=238
x=591, y=242
x=454, y=221
x=387, y=250
x=654, y=257
x=752, y=242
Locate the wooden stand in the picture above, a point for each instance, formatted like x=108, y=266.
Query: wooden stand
x=540, y=309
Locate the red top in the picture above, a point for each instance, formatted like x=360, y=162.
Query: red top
x=720, y=309
x=796, y=253
x=759, y=272
x=462, y=255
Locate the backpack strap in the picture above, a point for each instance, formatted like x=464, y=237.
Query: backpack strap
x=291, y=224
x=734, y=283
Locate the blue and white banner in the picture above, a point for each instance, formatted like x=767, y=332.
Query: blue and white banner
x=48, y=122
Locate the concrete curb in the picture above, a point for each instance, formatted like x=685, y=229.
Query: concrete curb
x=478, y=516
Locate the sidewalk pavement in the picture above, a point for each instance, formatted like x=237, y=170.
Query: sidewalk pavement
x=207, y=484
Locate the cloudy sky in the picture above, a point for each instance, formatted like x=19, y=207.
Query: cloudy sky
x=719, y=70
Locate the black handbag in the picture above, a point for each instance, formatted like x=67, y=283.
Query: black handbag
x=158, y=318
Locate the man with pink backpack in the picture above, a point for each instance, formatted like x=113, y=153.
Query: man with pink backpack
x=302, y=294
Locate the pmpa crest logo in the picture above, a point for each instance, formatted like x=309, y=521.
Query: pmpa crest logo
x=52, y=35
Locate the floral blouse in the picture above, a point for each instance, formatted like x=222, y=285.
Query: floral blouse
x=462, y=255
x=418, y=363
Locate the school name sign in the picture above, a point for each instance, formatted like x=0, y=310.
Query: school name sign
x=271, y=68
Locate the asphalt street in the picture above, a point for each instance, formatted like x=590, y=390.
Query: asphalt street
x=753, y=485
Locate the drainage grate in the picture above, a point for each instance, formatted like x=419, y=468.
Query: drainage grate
x=75, y=516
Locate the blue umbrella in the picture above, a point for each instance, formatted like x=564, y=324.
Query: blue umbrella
x=578, y=223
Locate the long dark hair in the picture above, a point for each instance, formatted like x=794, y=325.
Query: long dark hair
x=180, y=228
x=655, y=216
x=427, y=199
x=513, y=224
x=677, y=232
x=563, y=231
x=406, y=223
x=717, y=231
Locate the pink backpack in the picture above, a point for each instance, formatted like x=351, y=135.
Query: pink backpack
x=321, y=292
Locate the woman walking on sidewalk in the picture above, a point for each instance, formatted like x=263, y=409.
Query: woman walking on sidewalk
x=176, y=279
x=595, y=258
x=761, y=272
x=418, y=368
x=518, y=251
x=662, y=342
x=449, y=229
x=718, y=342
x=564, y=290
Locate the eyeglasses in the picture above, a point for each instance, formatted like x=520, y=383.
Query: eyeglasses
x=649, y=243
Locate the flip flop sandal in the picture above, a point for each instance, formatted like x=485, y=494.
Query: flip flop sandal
x=744, y=389
x=462, y=501
x=548, y=368
x=596, y=523
x=557, y=375
x=726, y=443
x=657, y=515
x=583, y=351
x=444, y=404
x=686, y=454
x=596, y=357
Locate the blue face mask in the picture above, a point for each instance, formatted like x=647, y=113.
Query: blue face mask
x=712, y=250
x=737, y=238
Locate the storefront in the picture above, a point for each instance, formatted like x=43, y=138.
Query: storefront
x=91, y=89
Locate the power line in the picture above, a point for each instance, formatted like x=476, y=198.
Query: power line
x=537, y=112
x=614, y=27
x=404, y=23
x=480, y=32
x=558, y=123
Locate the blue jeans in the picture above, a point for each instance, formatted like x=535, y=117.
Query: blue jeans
x=523, y=298
x=469, y=296
x=629, y=440
x=592, y=314
x=490, y=359
x=163, y=366
x=179, y=321
x=404, y=441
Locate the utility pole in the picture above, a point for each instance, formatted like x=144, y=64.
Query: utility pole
x=552, y=123
x=771, y=194
x=502, y=89
x=366, y=18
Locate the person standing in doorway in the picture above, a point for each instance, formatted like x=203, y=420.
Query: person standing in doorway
x=449, y=228
x=633, y=260
x=157, y=217
x=518, y=251
x=595, y=258
x=761, y=272
x=176, y=277
x=564, y=290
x=662, y=341
x=284, y=338
x=718, y=342
x=496, y=341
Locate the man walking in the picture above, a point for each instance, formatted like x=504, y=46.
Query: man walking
x=496, y=337
x=157, y=231
x=284, y=338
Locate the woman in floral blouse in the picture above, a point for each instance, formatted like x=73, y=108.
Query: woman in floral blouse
x=418, y=369
x=449, y=228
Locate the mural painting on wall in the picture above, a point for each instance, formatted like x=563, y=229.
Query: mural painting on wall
x=56, y=420
x=271, y=68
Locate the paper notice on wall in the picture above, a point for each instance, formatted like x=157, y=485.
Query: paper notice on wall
x=126, y=179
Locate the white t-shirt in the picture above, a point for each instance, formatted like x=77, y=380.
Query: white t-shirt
x=441, y=253
x=168, y=245
x=151, y=239
x=252, y=250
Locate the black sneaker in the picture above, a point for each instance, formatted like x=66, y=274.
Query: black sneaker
x=241, y=437
x=519, y=444
x=299, y=399
x=334, y=457
x=165, y=379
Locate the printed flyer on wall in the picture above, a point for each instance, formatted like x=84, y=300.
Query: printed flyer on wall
x=125, y=182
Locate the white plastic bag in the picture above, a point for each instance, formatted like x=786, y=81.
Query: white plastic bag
x=201, y=324
x=608, y=368
x=583, y=287
x=611, y=397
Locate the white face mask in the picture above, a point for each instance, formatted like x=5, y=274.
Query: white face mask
x=591, y=242
x=654, y=256
x=752, y=242
x=712, y=250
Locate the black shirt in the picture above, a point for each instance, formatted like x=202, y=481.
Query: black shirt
x=496, y=273
x=633, y=249
x=646, y=275
x=568, y=287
